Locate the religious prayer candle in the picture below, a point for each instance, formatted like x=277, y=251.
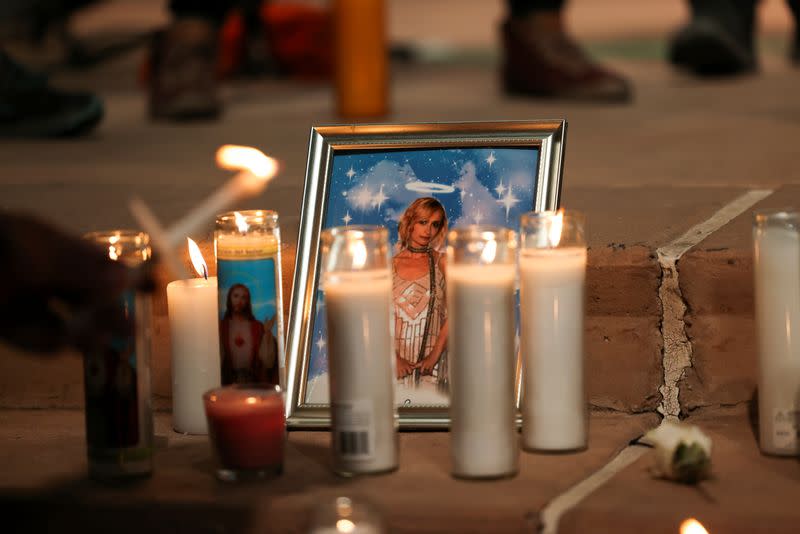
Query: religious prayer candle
x=481, y=270
x=777, y=306
x=247, y=246
x=194, y=332
x=357, y=286
x=552, y=270
x=119, y=420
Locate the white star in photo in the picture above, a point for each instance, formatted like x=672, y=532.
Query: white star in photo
x=491, y=159
x=321, y=343
x=379, y=198
x=508, y=201
x=362, y=198
x=500, y=189
x=350, y=173
x=346, y=219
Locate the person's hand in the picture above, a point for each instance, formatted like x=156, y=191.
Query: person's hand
x=427, y=364
x=404, y=367
x=57, y=289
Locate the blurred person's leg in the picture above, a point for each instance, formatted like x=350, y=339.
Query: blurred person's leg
x=31, y=107
x=183, y=62
x=718, y=40
x=794, y=5
x=540, y=59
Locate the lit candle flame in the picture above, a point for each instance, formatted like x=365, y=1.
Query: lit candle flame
x=359, y=251
x=241, y=222
x=251, y=400
x=556, y=227
x=692, y=526
x=246, y=157
x=197, y=259
x=489, y=252
x=112, y=252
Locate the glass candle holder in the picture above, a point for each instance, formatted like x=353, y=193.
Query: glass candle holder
x=357, y=284
x=247, y=246
x=481, y=271
x=119, y=419
x=247, y=429
x=552, y=271
x=776, y=267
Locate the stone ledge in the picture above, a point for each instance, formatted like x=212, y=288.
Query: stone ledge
x=716, y=280
x=44, y=484
x=624, y=341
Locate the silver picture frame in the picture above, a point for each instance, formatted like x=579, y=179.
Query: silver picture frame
x=547, y=137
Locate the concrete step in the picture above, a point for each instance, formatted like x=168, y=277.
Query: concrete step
x=627, y=226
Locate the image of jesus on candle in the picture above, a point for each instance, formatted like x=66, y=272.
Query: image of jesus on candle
x=420, y=302
x=248, y=347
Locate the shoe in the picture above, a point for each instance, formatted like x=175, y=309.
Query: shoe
x=718, y=41
x=30, y=107
x=550, y=64
x=182, y=84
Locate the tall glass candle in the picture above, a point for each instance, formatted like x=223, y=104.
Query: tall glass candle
x=194, y=334
x=357, y=285
x=481, y=270
x=552, y=270
x=119, y=419
x=247, y=246
x=777, y=305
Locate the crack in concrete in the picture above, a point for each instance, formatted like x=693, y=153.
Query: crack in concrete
x=677, y=352
x=551, y=514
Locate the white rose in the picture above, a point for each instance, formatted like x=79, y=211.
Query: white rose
x=682, y=451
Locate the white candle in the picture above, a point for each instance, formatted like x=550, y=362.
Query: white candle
x=480, y=303
x=554, y=410
x=193, y=321
x=361, y=366
x=777, y=299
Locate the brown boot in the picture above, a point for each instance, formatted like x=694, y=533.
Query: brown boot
x=540, y=60
x=182, y=81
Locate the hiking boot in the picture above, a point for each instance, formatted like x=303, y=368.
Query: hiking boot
x=182, y=83
x=30, y=107
x=550, y=64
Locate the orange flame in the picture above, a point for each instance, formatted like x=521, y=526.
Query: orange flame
x=556, y=227
x=241, y=222
x=197, y=258
x=245, y=157
x=692, y=526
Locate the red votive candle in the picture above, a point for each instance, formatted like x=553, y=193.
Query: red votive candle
x=247, y=428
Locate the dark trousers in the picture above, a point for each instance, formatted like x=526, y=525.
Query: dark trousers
x=215, y=10
x=521, y=8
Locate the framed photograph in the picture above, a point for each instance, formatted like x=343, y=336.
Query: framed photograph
x=397, y=176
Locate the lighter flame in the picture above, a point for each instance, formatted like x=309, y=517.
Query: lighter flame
x=197, y=258
x=359, y=251
x=345, y=525
x=245, y=157
x=556, y=226
x=489, y=252
x=692, y=526
x=251, y=400
x=241, y=222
